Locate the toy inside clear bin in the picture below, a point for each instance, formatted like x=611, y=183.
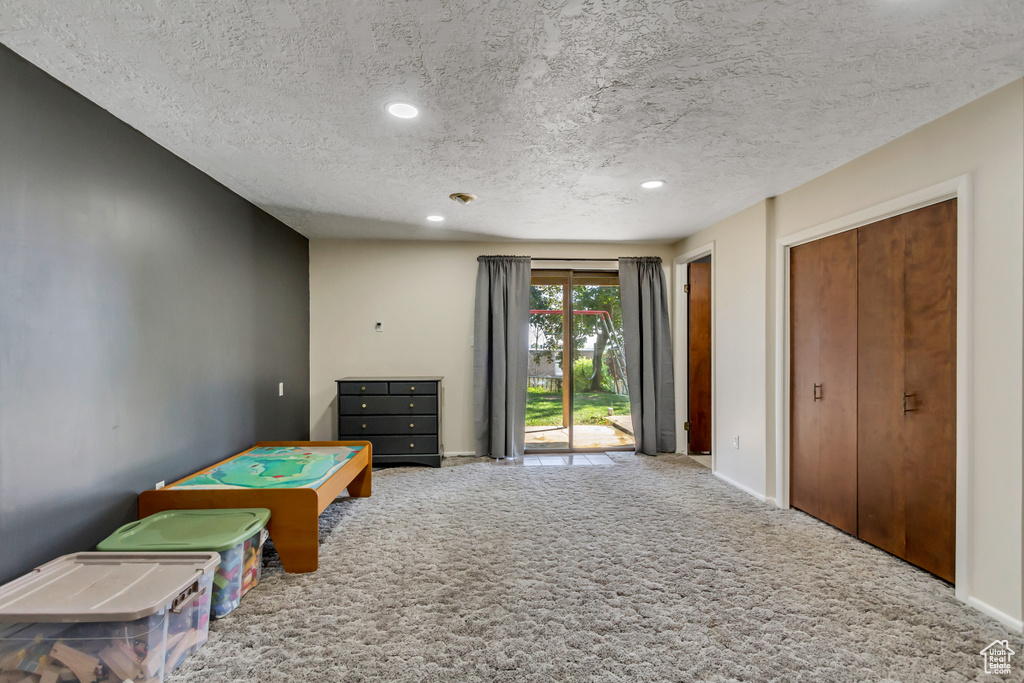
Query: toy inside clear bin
x=72, y=620
x=253, y=561
x=88, y=651
x=239, y=571
x=188, y=624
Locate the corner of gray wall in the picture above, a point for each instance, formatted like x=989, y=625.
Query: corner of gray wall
x=148, y=315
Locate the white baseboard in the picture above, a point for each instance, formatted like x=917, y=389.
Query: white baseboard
x=741, y=487
x=458, y=454
x=1016, y=624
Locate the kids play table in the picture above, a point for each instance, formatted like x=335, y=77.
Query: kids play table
x=295, y=480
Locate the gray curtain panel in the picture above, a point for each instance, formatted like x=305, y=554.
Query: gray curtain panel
x=648, y=348
x=500, y=342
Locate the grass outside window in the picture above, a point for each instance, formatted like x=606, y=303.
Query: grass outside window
x=545, y=409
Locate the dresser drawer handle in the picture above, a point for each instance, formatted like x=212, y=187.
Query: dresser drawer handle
x=364, y=426
x=412, y=405
x=362, y=388
x=412, y=445
x=411, y=425
x=364, y=405
x=412, y=388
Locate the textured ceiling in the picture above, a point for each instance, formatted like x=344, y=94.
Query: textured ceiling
x=550, y=111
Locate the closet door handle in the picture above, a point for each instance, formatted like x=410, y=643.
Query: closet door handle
x=818, y=392
x=913, y=398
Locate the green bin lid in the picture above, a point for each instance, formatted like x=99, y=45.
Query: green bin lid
x=187, y=530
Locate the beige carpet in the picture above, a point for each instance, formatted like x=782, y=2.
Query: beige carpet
x=648, y=570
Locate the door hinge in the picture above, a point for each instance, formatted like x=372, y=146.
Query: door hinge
x=686, y=289
x=686, y=426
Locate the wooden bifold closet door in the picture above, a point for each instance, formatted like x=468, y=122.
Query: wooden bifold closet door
x=824, y=379
x=907, y=387
x=873, y=384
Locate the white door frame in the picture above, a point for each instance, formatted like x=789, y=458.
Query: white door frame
x=679, y=264
x=960, y=189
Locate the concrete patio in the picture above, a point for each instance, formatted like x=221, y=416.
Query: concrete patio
x=584, y=436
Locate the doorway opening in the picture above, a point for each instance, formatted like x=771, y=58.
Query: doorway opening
x=576, y=392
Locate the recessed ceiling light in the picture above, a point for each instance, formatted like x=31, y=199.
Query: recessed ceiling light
x=652, y=184
x=435, y=219
x=403, y=110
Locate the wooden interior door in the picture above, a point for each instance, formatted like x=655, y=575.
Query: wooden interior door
x=837, y=371
x=698, y=330
x=930, y=388
x=804, y=414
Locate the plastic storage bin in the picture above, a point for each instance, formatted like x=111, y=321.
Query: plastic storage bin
x=105, y=617
x=237, y=534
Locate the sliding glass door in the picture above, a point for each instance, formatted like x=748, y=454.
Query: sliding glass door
x=576, y=396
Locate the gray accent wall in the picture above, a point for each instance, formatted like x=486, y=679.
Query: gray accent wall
x=147, y=315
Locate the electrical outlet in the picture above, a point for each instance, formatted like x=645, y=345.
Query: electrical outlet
x=379, y=327
x=735, y=442
x=280, y=388
x=159, y=484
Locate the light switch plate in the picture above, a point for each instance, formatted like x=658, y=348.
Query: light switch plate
x=159, y=484
x=735, y=442
x=280, y=388
x=379, y=327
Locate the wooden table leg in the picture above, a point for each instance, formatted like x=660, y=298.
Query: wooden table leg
x=296, y=534
x=361, y=484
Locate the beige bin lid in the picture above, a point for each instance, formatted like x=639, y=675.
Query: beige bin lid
x=102, y=586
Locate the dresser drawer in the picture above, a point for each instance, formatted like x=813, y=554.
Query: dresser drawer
x=363, y=388
x=387, y=405
x=357, y=427
x=412, y=388
x=398, y=445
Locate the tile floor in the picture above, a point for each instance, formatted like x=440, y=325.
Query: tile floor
x=702, y=460
x=564, y=460
x=569, y=459
x=578, y=460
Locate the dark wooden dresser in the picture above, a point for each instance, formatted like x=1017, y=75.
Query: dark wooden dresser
x=399, y=416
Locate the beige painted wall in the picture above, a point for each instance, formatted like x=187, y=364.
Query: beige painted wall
x=740, y=372
x=424, y=293
x=986, y=140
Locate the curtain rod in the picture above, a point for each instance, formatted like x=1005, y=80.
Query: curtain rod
x=574, y=259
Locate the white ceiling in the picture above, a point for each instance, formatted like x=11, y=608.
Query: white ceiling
x=552, y=111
